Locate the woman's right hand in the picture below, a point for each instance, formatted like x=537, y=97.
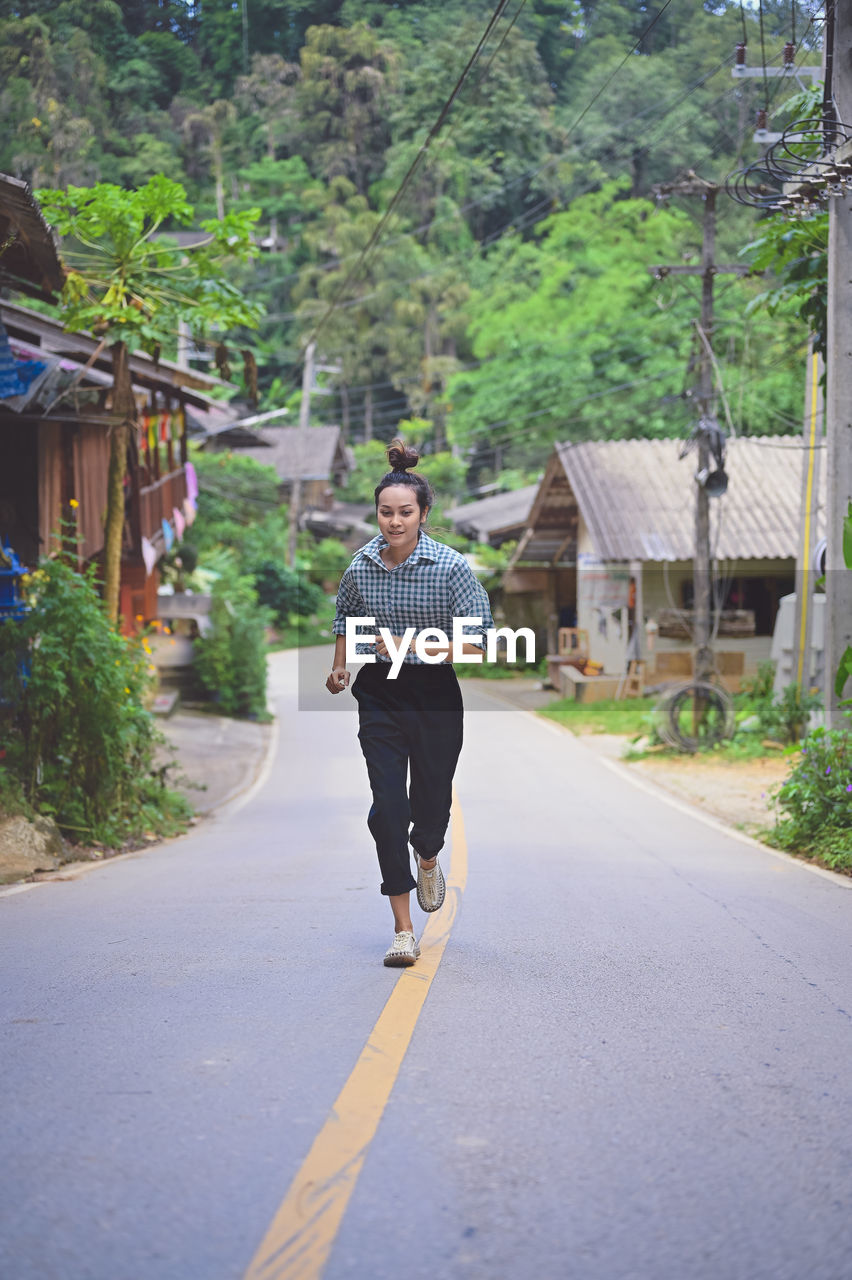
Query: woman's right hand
x=338, y=680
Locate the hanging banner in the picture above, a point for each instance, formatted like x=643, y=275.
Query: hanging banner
x=189, y=511
x=168, y=534
x=191, y=483
x=180, y=523
x=149, y=555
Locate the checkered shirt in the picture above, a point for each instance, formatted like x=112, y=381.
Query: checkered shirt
x=433, y=586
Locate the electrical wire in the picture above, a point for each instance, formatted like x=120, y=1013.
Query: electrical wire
x=626, y=58
x=547, y=204
x=398, y=195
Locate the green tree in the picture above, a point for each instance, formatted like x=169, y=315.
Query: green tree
x=575, y=340
x=347, y=79
x=129, y=285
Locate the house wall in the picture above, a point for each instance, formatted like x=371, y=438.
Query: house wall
x=49, y=485
x=91, y=467
x=602, y=603
x=756, y=584
x=19, y=489
x=540, y=598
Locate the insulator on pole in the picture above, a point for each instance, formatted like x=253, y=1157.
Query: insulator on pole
x=740, y=54
x=789, y=54
x=761, y=119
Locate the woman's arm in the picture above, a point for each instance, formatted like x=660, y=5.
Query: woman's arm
x=340, y=677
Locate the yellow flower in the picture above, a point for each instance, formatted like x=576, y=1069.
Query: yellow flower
x=72, y=502
x=35, y=120
x=126, y=690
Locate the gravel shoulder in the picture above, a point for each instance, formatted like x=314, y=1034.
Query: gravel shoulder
x=736, y=792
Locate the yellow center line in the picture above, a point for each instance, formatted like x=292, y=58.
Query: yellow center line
x=299, y=1240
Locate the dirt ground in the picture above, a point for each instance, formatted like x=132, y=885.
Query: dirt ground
x=736, y=792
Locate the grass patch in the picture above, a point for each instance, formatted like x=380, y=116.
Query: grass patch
x=630, y=717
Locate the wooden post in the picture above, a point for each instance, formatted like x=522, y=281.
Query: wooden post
x=304, y=423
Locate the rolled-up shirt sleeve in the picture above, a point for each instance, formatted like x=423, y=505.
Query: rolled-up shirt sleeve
x=350, y=603
x=469, y=599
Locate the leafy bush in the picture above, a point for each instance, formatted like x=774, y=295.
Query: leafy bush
x=239, y=508
x=79, y=741
x=816, y=800
x=230, y=662
x=285, y=591
x=784, y=717
x=325, y=559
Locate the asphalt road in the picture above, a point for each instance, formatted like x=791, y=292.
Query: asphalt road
x=632, y=1062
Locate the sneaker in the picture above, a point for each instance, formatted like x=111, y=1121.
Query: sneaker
x=430, y=886
x=403, y=952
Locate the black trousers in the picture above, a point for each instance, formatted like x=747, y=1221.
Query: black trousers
x=410, y=725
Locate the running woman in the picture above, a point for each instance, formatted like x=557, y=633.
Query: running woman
x=411, y=725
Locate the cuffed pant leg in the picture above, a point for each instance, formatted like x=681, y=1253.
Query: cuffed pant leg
x=435, y=741
x=386, y=753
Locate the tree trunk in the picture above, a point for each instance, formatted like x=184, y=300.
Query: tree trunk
x=344, y=400
x=124, y=409
x=368, y=413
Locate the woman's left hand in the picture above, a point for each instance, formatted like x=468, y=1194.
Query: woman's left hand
x=382, y=649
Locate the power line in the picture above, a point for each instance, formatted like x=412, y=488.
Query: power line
x=412, y=169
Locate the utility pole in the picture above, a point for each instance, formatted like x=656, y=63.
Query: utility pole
x=838, y=578
x=304, y=423
x=704, y=664
x=806, y=573
x=692, y=185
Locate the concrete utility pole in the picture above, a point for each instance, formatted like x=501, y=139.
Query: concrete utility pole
x=704, y=664
x=838, y=578
x=304, y=422
x=692, y=185
x=806, y=574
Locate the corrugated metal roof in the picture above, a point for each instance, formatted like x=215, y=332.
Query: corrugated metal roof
x=311, y=453
x=637, y=498
x=29, y=261
x=498, y=511
x=48, y=335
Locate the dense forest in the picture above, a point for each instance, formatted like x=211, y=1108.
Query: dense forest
x=508, y=302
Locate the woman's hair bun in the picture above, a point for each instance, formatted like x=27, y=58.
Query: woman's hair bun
x=400, y=457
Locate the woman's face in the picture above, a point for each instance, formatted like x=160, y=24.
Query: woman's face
x=399, y=515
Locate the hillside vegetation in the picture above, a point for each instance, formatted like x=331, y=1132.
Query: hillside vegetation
x=509, y=302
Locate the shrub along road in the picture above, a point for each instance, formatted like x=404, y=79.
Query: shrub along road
x=631, y=1061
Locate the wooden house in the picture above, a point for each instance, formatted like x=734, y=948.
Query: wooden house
x=55, y=418
x=317, y=456
x=609, y=542
x=498, y=518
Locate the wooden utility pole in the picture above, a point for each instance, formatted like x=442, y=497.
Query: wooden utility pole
x=838, y=408
x=304, y=423
x=692, y=185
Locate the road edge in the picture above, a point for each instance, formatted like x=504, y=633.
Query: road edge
x=654, y=789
